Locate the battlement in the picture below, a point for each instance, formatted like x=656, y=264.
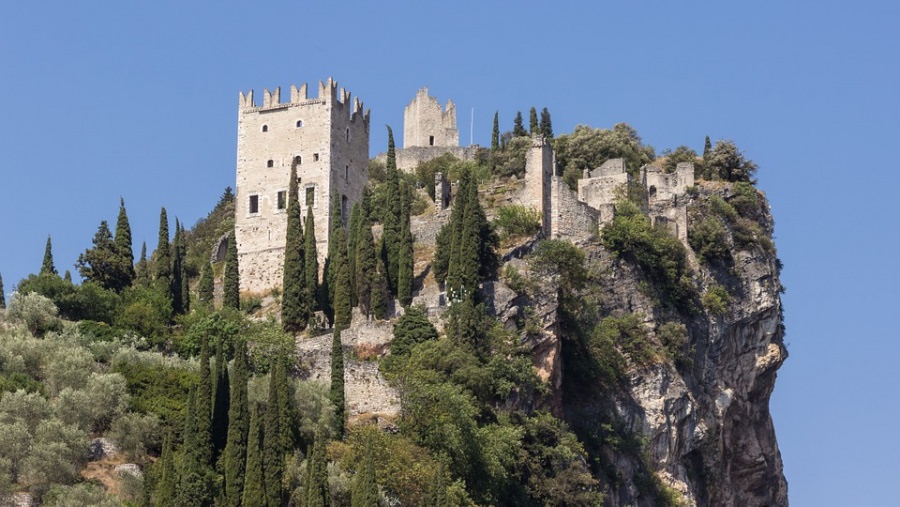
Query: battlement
x=328, y=94
x=426, y=123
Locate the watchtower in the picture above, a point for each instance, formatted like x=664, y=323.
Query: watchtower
x=426, y=124
x=328, y=137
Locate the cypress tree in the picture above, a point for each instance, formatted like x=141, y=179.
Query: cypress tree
x=366, y=268
x=277, y=438
x=203, y=407
x=342, y=309
x=142, y=269
x=2, y=294
x=707, y=147
x=232, y=296
x=238, y=426
x=379, y=289
x=185, y=282
x=317, y=475
x=47, y=266
x=390, y=238
x=178, y=306
x=405, y=252
x=167, y=482
x=546, y=124
x=326, y=300
x=163, y=258
x=337, y=379
x=364, y=492
x=123, y=240
x=495, y=133
x=68, y=276
x=311, y=263
x=518, y=125
x=294, y=313
x=220, y=402
x=254, y=493
x=195, y=482
x=205, y=291
x=533, y=121
x=352, y=242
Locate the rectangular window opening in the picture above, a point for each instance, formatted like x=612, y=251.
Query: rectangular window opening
x=310, y=196
x=430, y=140
x=282, y=199
x=315, y=157
x=254, y=204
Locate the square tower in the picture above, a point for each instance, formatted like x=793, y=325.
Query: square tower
x=328, y=136
x=426, y=124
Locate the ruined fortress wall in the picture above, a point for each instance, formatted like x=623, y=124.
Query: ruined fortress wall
x=539, y=162
x=425, y=123
x=410, y=158
x=329, y=136
x=573, y=219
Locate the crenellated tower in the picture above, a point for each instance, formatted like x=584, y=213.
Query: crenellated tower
x=328, y=136
x=425, y=123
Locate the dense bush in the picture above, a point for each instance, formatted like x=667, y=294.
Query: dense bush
x=411, y=329
x=629, y=335
x=516, y=221
x=589, y=148
x=37, y=312
x=716, y=300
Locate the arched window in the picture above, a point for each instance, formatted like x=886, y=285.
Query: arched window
x=270, y=163
x=297, y=159
x=299, y=123
x=265, y=128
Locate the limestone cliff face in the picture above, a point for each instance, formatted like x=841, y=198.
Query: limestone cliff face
x=698, y=431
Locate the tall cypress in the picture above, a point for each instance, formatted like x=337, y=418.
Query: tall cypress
x=178, y=272
x=195, y=481
x=366, y=268
x=311, y=263
x=2, y=294
x=364, y=492
x=390, y=238
x=203, y=406
x=495, y=133
x=352, y=241
x=68, y=276
x=379, y=290
x=707, y=147
x=405, y=251
x=533, y=122
x=254, y=493
x=142, y=269
x=123, y=240
x=546, y=124
x=166, y=475
x=220, y=402
x=185, y=282
x=294, y=313
x=276, y=440
x=205, y=290
x=342, y=307
x=238, y=427
x=232, y=296
x=163, y=258
x=47, y=266
x=518, y=125
x=337, y=379
x=326, y=301
x=317, y=475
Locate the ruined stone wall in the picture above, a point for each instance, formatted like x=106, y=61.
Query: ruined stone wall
x=539, y=171
x=329, y=137
x=410, y=158
x=426, y=124
x=573, y=219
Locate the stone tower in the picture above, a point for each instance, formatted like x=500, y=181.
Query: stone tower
x=426, y=124
x=328, y=136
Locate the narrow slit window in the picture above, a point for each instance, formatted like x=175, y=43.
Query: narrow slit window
x=346, y=172
x=430, y=140
x=254, y=204
x=282, y=199
x=348, y=134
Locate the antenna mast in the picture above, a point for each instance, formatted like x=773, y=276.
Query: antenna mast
x=472, y=129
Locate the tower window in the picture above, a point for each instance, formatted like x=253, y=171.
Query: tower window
x=348, y=134
x=265, y=128
x=297, y=159
x=430, y=140
x=299, y=123
x=282, y=199
x=254, y=204
x=270, y=163
x=315, y=157
x=346, y=172
x=310, y=196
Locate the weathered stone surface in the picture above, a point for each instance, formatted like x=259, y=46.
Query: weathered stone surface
x=128, y=469
x=102, y=448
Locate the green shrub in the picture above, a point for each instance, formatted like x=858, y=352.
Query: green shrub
x=518, y=221
x=716, y=300
x=411, y=329
x=136, y=434
x=630, y=335
x=37, y=312
x=709, y=239
x=674, y=337
x=155, y=388
x=426, y=170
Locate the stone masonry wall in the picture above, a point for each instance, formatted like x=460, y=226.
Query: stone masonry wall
x=426, y=124
x=410, y=158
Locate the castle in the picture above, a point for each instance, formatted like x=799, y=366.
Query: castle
x=328, y=137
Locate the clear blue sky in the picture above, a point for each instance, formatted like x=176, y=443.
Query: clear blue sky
x=108, y=99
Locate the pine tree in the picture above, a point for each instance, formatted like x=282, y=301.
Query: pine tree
x=364, y=492
x=238, y=426
x=47, y=266
x=311, y=263
x=102, y=264
x=294, y=313
x=178, y=250
x=405, y=252
x=546, y=124
x=533, y=122
x=221, y=400
x=205, y=291
x=163, y=258
x=142, y=269
x=123, y=240
x=519, y=126
x=254, y=492
x=203, y=406
x=337, y=379
x=232, y=296
x=2, y=294
x=352, y=242
x=366, y=268
x=390, y=248
x=495, y=133
x=317, y=475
